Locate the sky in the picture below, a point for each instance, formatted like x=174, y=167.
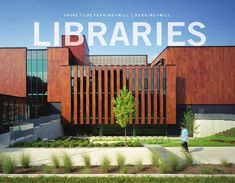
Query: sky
x=17, y=21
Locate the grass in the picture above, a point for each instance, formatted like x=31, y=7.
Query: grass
x=121, y=179
x=47, y=169
x=155, y=159
x=188, y=159
x=124, y=169
x=77, y=143
x=211, y=141
x=139, y=165
x=87, y=161
x=121, y=160
x=226, y=138
x=25, y=160
x=105, y=163
x=227, y=133
x=174, y=164
x=67, y=163
x=2, y=157
x=164, y=166
x=225, y=163
x=206, y=170
x=55, y=160
x=8, y=165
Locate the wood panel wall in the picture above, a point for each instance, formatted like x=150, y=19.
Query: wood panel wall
x=66, y=112
x=56, y=58
x=13, y=71
x=204, y=75
x=100, y=91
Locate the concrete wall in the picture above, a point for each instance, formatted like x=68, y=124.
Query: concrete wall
x=210, y=124
x=48, y=128
x=51, y=130
x=4, y=139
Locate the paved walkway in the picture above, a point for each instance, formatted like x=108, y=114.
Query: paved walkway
x=207, y=155
x=42, y=155
x=204, y=155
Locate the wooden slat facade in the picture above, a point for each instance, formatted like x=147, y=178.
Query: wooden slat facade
x=149, y=95
x=137, y=94
x=205, y=75
x=112, y=92
x=13, y=71
x=106, y=95
x=100, y=94
x=130, y=88
x=87, y=94
x=93, y=95
x=81, y=96
x=161, y=95
x=75, y=105
x=96, y=86
x=142, y=95
x=155, y=101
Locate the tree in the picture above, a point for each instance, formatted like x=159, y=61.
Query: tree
x=189, y=121
x=124, y=108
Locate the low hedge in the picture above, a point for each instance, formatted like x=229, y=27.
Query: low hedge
x=77, y=143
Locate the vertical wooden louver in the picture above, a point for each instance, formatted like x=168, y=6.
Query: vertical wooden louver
x=96, y=86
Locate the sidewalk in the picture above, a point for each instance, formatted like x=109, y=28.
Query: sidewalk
x=201, y=155
x=207, y=155
x=41, y=156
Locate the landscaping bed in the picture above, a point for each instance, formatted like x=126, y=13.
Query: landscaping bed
x=131, y=169
x=78, y=143
x=121, y=179
x=226, y=138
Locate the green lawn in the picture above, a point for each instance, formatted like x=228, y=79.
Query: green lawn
x=205, y=141
x=117, y=180
x=226, y=138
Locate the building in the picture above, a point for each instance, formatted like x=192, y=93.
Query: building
x=205, y=78
x=81, y=87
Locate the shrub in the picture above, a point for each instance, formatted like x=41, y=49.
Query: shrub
x=225, y=163
x=2, y=157
x=8, y=165
x=174, y=164
x=155, y=158
x=67, y=163
x=55, y=161
x=189, y=121
x=86, y=160
x=124, y=169
x=139, y=166
x=25, y=160
x=47, y=169
x=188, y=159
x=164, y=166
x=105, y=163
x=120, y=160
x=206, y=170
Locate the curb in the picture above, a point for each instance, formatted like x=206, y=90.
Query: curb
x=115, y=175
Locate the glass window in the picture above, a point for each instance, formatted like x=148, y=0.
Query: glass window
x=34, y=55
x=29, y=65
x=39, y=54
x=37, y=67
x=45, y=54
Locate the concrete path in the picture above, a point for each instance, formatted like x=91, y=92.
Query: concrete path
x=201, y=155
x=42, y=155
x=207, y=155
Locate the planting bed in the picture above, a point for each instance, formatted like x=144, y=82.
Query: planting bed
x=147, y=169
